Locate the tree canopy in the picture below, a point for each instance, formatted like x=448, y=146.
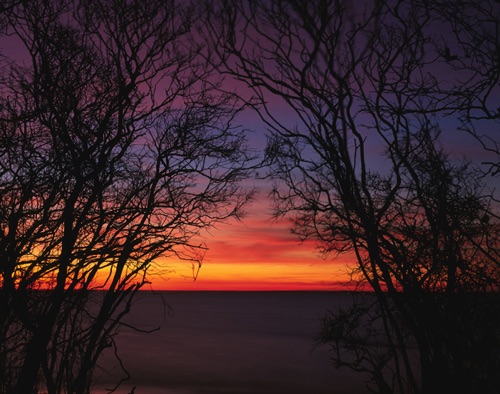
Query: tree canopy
x=377, y=91
x=117, y=146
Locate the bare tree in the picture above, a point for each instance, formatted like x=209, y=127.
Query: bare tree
x=117, y=146
x=475, y=55
x=362, y=170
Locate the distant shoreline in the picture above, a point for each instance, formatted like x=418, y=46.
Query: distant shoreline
x=253, y=291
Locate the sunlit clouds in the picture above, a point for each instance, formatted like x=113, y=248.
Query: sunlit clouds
x=256, y=254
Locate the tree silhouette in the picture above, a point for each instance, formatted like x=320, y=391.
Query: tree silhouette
x=117, y=147
x=362, y=170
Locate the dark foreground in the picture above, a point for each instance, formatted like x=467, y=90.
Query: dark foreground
x=229, y=342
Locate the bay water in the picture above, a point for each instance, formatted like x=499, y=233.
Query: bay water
x=228, y=342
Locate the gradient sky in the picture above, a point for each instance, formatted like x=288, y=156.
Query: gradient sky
x=259, y=253
x=254, y=254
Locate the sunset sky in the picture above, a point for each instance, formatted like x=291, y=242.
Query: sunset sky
x=259, y=253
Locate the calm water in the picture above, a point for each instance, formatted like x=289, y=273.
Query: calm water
x=231, y=342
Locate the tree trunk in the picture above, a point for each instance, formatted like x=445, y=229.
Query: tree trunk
x=27, y=381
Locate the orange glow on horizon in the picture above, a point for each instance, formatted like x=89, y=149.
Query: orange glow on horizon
x=259, y=277
x=256, y=254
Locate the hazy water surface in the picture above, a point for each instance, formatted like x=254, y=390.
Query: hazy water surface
x=231, y=342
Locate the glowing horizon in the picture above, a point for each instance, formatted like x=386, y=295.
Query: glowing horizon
x=256, y=254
